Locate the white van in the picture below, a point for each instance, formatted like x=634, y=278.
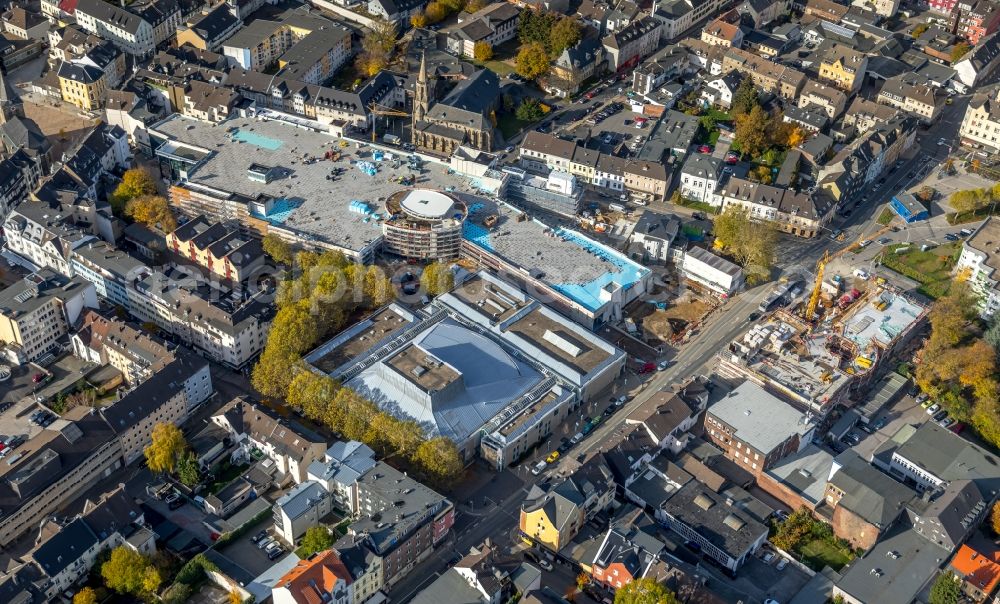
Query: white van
x=616, y=207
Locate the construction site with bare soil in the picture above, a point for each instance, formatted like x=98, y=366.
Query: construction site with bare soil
x=820, y=350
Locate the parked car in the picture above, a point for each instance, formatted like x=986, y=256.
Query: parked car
x=553, y=457
x=539, y=467
x=577, y=438
x=768, y=557
x=944, y=423
x=257, y=538
x=933, y=409
x=704, y=149
x=940, y=415
x=174, y=501
x=266, y=541
x=275, y=553
x=782, y=563
x=951, y=237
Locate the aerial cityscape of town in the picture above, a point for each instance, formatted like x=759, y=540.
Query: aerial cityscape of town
x=500, y=301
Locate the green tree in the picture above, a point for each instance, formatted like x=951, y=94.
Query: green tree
x=436, y=12
x=165, y=449
x=745, y=98
x=136, y=182
x=959, y=51
x=316, y=539
x=535, y=26
x=564, y=34
x=750, y=242
x=87, y=595
x=474, y=6
x=946, y=589
x=751, y=132
x=969, y=200
x=129, y=572
x=152, y=211
x=419, y=20
x=794, y=529
x=188, y=469
x=761, y=174
x=278, y=249
x=482, y=51
x=440, y=460
x=437, y=279
x=645, y=591
x=529, y=110
x=313, y=393
x=919, y=30
x=532, y=61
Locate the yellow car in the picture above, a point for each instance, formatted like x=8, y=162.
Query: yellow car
x=553, y=456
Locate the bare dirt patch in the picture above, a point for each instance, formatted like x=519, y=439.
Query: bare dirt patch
x=664, y=324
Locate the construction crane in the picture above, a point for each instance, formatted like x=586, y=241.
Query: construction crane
x=818, y=286
x=827, y=257
x=382, y=110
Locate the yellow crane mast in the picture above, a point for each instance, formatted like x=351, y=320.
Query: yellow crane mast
x=382, y=110
x=818, y=286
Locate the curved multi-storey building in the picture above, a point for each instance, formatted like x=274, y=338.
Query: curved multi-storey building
x=424, y=224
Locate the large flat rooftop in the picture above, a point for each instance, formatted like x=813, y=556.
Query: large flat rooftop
x=489, y=300
x=552, y=336
x=382, y=324
x=569, y=262
x=423, y=369
x=306, y=200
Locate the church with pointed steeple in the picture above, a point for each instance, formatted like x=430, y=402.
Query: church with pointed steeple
x=465, y=116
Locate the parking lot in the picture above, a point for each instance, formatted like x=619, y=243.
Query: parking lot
x=617, y=134
x=245, y=553
x=28, y=383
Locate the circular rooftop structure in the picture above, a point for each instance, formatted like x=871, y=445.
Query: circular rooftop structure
x=424, y=224
x=424, y=203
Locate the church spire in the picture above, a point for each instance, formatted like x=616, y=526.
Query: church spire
x=421, y=95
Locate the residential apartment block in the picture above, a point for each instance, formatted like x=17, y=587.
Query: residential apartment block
x=53, y=467
x=756, y=429
x=800, y=214
x=552, y=516
x=70, y=553
x=39, y=310
x=543, y=152
x=257, y=428
x=493, y=25
x=842, y=66
x=830, y=99
x=980, y=127
x=224, y=252
x=137, y=30
x=914, y=94
x=767, y=75
x=165, y=397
